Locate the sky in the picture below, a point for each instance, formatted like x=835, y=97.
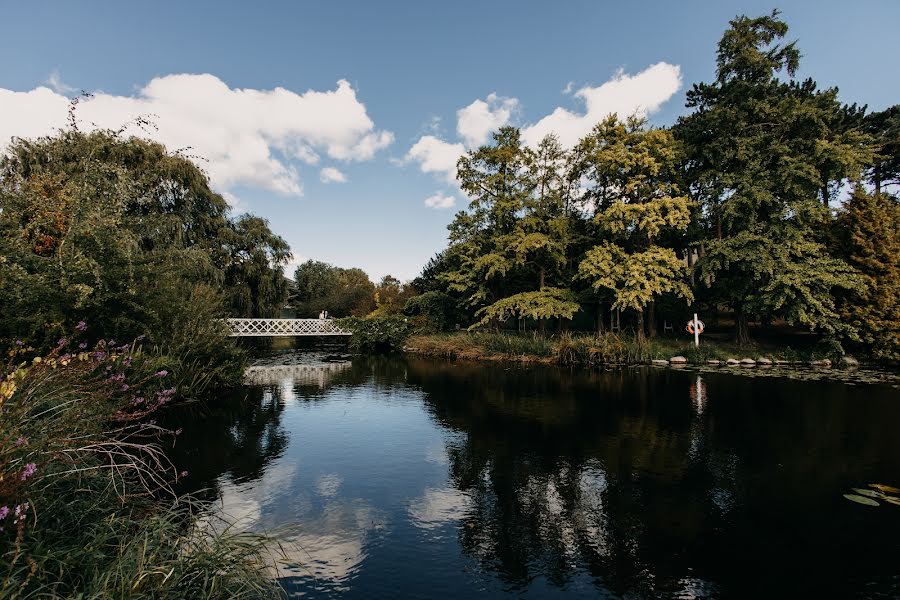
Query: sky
x=341, y=122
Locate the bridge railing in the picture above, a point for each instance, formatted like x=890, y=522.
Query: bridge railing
x=283, y=327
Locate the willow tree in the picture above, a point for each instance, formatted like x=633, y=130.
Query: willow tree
x=125, y=235
x=763, y=158
x=636, y=202
x=513, y=238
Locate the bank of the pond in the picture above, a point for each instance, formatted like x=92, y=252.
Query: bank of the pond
x=615, y=349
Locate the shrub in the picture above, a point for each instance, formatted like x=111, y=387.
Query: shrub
x=377, y=334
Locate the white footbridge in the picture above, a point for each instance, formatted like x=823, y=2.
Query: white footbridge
x=283, y=327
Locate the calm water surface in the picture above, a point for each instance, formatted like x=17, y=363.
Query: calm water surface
x=411, y=478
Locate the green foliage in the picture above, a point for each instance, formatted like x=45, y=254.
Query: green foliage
x=117, y=232
x=764, y=158
x=635, y=279
x=546, y=303
x=438, y=309
x=342, y=292
x=88, y=488
x=867, y=233
x=377, y=334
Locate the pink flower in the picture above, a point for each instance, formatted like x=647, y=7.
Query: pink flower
x=4, y=512
x=162, y=373
x=28, y=471
x=81, y=326
x=21, y=441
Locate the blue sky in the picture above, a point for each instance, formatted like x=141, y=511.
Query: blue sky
x=409, y=67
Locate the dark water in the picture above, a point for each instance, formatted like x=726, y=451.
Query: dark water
x=413, y=478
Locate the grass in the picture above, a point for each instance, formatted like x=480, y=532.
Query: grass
x=86, y=503
x=598, y=349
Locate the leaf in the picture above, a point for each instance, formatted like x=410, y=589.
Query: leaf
x=869, y=493
x=892, y=500
x=861, y=500
x=885, y=488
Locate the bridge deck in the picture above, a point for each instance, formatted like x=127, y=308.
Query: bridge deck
x=283, y=327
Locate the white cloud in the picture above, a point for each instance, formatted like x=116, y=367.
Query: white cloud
x=624, y=95
x=331, y=175
x=477, y=121
x=439, y=201
x=434, y=155
x=58, y=85
x=569, y=87
x=249, y=137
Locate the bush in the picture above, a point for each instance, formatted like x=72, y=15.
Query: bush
x=437, y=309
x=377, y=334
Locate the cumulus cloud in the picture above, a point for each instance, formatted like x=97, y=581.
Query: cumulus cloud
x=331, y=175
x=434, y=155
x=439, y=200
x=477, y=121
x=247, y=137
x=639, y=94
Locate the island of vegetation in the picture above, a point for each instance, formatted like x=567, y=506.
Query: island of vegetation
x=768, y=209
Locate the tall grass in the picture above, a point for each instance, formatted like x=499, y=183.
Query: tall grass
x=86, y=507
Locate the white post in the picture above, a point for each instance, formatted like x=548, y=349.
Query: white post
x=696, y=332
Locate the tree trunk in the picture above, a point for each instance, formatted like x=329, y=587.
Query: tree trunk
x=600, y=327
x=825, y=195
x=651, y=319
x=640, y=328
x=542, y=326
x=741, y=327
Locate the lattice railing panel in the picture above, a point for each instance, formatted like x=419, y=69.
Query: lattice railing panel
x=283, y=327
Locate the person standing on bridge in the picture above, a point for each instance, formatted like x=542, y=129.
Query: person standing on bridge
x=321, y=315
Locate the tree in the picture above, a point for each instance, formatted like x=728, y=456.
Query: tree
x=884, y=127
x=342, y=292
x=763, y=159
x=867, y=233
x=119, y=232
x=631, y=171
x=514, y=236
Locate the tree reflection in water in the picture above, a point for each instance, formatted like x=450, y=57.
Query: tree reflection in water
x=636, y=479
x=451, y=478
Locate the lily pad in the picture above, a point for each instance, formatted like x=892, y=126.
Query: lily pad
x=885, y=488
x=892, y=500
x=869, y=493
x=861, y=500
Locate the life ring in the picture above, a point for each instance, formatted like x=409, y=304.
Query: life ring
x=700, y=326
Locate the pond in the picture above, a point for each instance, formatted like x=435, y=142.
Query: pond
x=405, y=477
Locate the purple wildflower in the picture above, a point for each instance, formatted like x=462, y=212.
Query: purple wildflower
x=127, y=361
x=138, y=400
x=183, y=474
x=81, y=326
x=21, y=441
x=141, y=337
x=62, y=342
x=162, y=373
x=28, y=471
x=118, y=377
x=4, y=512
x=19, y=343
x=124, y=387
x=82, y=345
x=178, y=431
x=99, y=355
x=21, y=509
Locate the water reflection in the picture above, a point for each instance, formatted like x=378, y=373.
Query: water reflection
x=392, y=477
